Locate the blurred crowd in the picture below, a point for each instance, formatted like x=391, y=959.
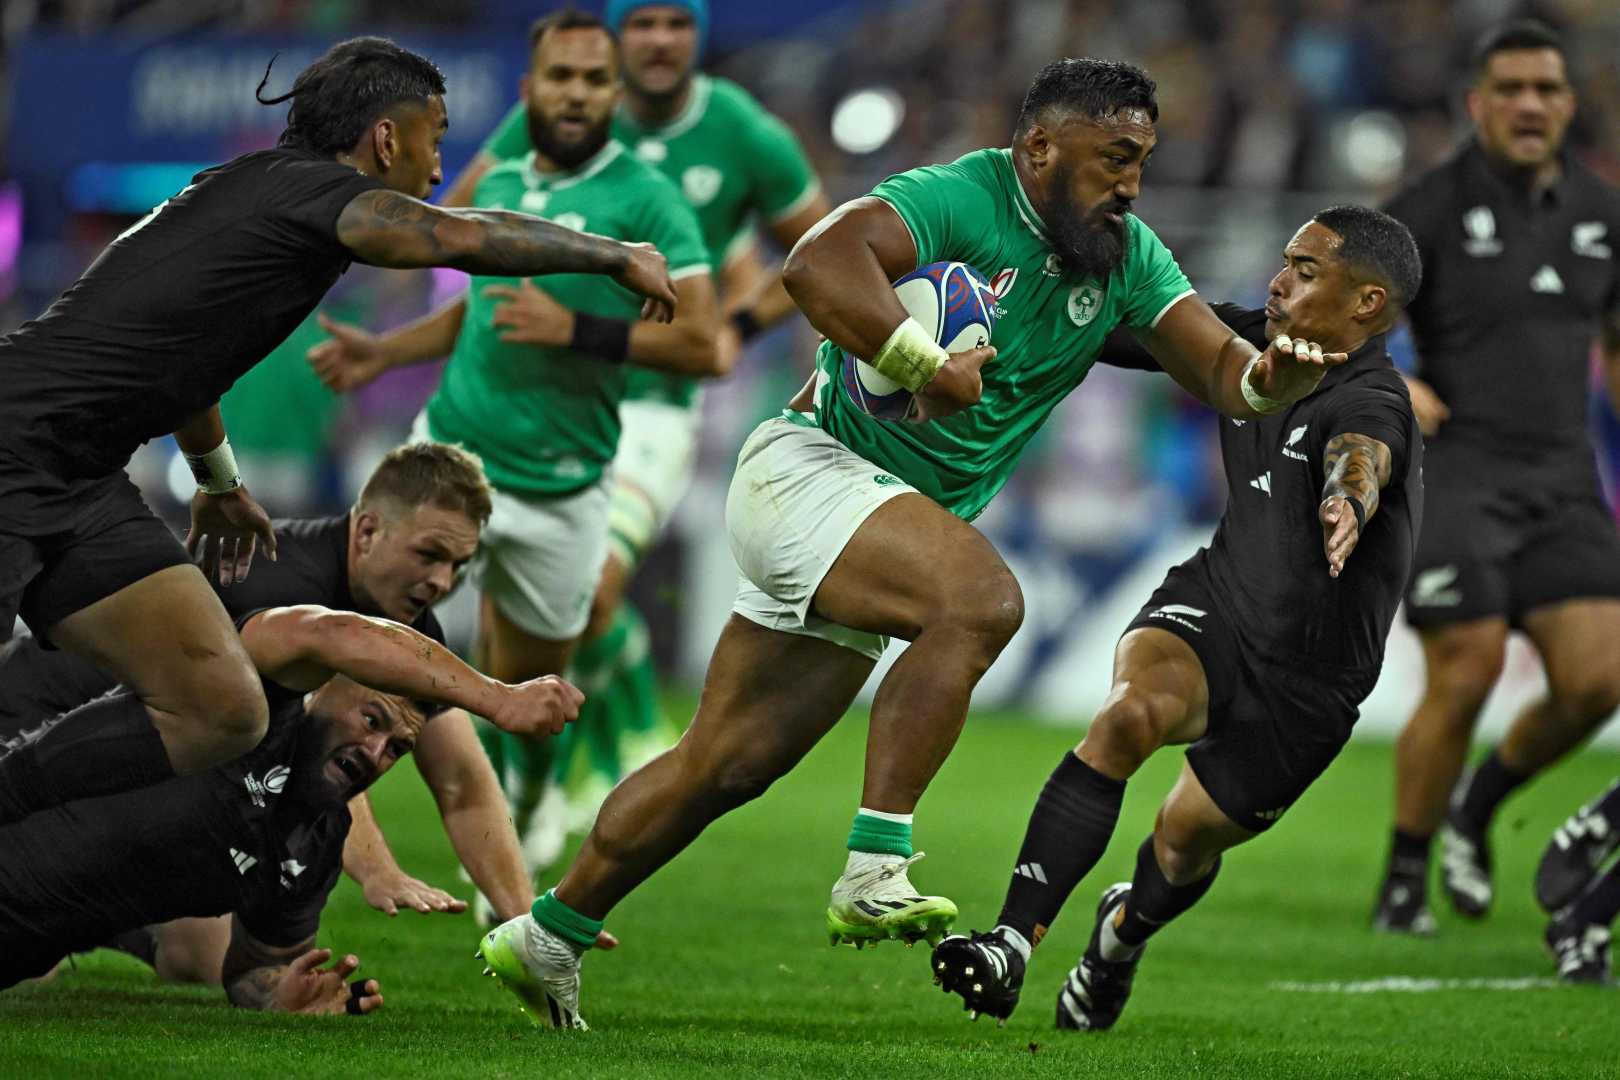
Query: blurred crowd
x=1269, y=110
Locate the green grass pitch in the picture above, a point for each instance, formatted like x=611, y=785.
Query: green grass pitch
x=725, y=965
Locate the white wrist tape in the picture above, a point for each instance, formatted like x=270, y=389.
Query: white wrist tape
x=1258, y=401
x=911, y=356
x=215, y=471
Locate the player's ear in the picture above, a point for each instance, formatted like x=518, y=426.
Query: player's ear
x=367, y=524
x=385, y=142
x=1372, y=300
x=1474, y=100
x=1038, y=145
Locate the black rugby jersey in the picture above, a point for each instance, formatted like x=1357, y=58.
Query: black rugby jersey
x=1266, y=562
x=1514, y=291
x=231, y=839
x=173, y=312
x=311, y=567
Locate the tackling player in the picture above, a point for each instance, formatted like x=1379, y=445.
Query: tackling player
x=540, y=403
x=734, y=163
x=1252, y=651
x=168, y=316
x=1517, y=243
x=850, y=530
x=261, y=837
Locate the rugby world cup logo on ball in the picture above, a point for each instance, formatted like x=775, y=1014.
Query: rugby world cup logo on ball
x=951, y=299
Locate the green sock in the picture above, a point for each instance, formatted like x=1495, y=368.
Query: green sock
x=564, y=921
x=880, y=835
x=637, y=676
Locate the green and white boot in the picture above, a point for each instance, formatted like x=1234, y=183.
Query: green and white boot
x=874, y=900
x=539, y=967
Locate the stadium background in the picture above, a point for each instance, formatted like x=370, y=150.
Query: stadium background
x=1269, y=111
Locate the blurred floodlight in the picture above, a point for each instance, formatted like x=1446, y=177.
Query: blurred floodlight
x=866, y=119
x=1373, y=145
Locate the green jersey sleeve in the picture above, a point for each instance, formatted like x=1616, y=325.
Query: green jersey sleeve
x=670, y=225
x=783, y=178
x=1153, y=277
x=510, y=139
x=939, y=203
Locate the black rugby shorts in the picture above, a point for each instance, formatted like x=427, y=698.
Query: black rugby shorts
x=1272, y=730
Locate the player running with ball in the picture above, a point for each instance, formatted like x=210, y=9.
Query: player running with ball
x=850, y=530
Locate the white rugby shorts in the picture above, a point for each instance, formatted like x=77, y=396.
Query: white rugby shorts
x=797, y=498
x=540, y=559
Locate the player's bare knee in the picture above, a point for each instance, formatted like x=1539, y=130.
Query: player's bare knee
x=1127, y=730
x=226, y=707
x=992, y=611
x=737, y=782
x=1586, y=700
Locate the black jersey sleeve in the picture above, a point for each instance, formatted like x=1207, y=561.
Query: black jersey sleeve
x=291, y=917
x=1377, y=408
x=305, y=195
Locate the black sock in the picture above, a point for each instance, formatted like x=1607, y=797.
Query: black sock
x=1608, y=806
x=1491, y=783
x=1068, y=832
x=1409, y=858
x=1600, y=903
x=1154, y=901
x=102, y=747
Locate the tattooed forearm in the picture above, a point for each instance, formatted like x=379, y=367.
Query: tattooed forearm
x=1357, y=466
x=385, y=228
x=256, y=988
x=517, y=245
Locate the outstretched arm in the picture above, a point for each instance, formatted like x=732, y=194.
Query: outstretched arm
x=474, y=811
x=260, y=976
x=385, y=228
x=302, y=647
x=368, y=860
x=1225, y=372
x=1357, y=467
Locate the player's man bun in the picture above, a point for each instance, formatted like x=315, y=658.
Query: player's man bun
x=1377, y=248
x=1515, y=35
x=1089, y=87
x=339, y=96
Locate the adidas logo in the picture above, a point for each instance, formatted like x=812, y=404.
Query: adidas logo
x=1262, y=482
x=1032, y=871
x=244, y=862
x=1547, y=281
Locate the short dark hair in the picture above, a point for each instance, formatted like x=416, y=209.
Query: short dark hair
x=430, y=474
x=339, y=96
x=1094, y=88
x=568, y=19
x=1378, y=248
x=1515, y=35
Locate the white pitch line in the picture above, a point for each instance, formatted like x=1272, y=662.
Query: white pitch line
x=1405, y=984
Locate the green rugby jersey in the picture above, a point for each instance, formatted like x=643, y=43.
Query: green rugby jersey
x=731, y=159
x=1049, y=329
x=546, y=420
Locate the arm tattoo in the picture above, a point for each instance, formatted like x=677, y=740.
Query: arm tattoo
x=1357, y=466
x=256, y=987
x=385, y=228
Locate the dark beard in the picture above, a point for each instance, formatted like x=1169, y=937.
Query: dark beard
x=1091, y=246
x=566, y=155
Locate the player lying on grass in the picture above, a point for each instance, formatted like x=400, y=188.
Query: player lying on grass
x=1582, y=898
x=144, y=344
x=260, y=838
x=1253, y=650
x=394, y=554
x=850, y=530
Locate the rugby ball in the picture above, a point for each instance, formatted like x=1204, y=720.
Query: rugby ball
x=950, y=299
